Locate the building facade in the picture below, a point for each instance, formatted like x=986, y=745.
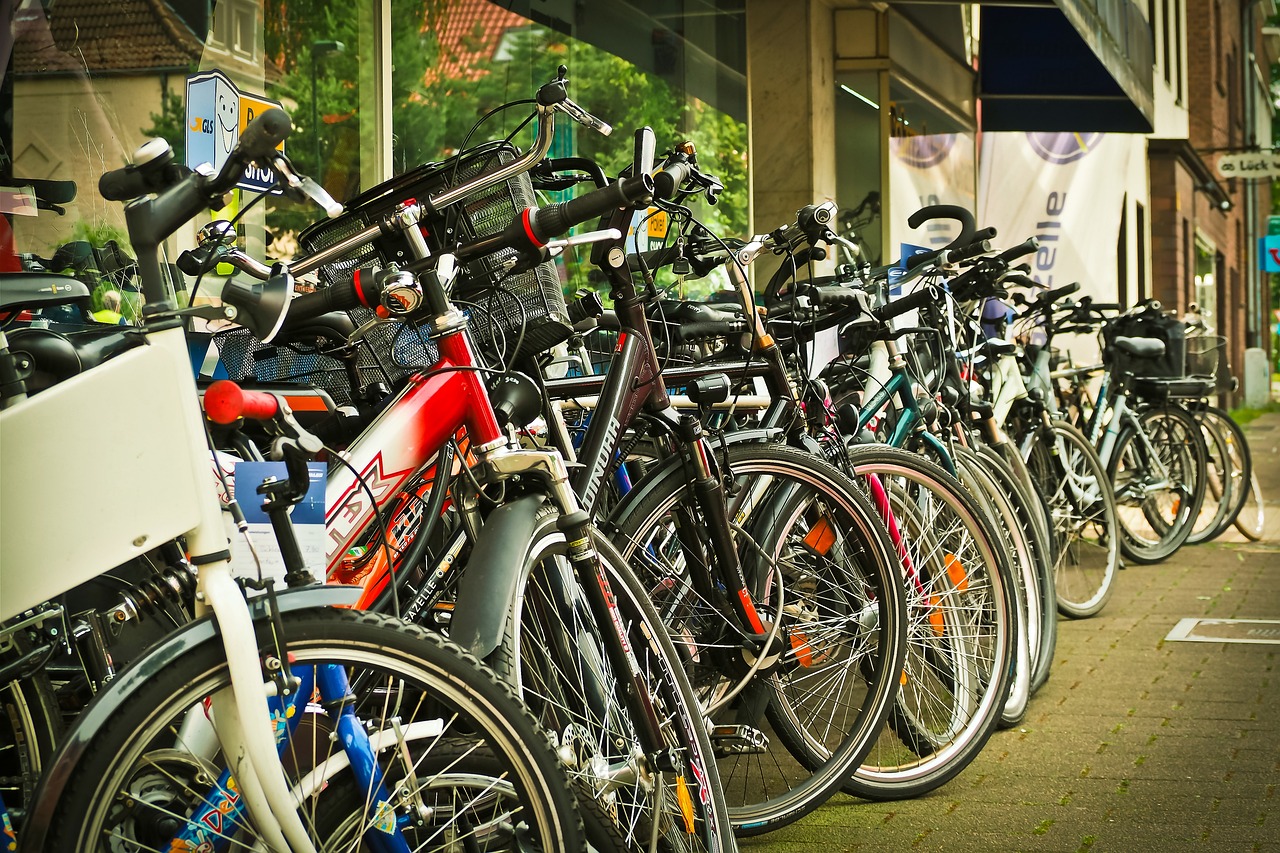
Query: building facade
x=1091, y=124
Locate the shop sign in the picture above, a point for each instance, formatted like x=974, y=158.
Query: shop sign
x=1269, y=253
x=1249, y=164
x=217, y=113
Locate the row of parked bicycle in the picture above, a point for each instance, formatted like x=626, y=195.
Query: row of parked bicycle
x=643, y=577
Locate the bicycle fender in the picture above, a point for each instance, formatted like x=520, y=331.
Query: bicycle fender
x=487, y=589
x=108, y=701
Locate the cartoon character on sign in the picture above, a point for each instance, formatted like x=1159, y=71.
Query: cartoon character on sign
x=227, y=110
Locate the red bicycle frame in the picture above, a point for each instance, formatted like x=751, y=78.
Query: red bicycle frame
x=436, y=405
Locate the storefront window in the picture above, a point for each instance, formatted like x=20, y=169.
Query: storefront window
x=858, y=157
x=82, y=90
x=676, y=66
x=931, y=161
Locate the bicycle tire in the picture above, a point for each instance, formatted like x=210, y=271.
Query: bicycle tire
x=1154, y=515
x=1013, y=534
x=824, y=585
x=903, y=763
x=1220, y=486
x=1084, y=512
x=413, y=671
x=1241, y=459
x=1251, y=521
x=30, y=727
x=547, y=655
x=1032, y=504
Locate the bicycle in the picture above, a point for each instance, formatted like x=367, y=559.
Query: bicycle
x=601, y=675
x=152, y=759
x=1152, y=447
x=1067, y=466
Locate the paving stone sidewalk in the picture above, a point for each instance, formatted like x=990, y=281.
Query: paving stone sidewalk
x=1136, y=742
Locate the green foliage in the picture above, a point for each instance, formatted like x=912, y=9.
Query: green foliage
x=437, y=97
x=170, y=123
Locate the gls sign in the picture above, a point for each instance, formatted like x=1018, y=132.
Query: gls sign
x=217, y=113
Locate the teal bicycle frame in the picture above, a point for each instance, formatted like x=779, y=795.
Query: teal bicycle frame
x=900, y=386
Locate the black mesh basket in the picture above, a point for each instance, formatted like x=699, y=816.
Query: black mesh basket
x=385, y=354
x=527, y=307
x=1148, y=324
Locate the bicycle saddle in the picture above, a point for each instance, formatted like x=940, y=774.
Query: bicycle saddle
x=36, y=290
x=1140, y=347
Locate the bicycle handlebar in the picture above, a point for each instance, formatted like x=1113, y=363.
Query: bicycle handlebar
x=225, y=402
x=918, y=299
x=533, y=227
x=947, y=211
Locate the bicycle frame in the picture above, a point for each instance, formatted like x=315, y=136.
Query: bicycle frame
x=889, y=372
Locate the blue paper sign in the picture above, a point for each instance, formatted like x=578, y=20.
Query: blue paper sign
x=1269, y=253
x=249, y=475
x=896, y=272
x=217, y=113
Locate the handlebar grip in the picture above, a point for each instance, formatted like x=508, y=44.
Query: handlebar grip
x=920, y=298
x=988, y=233
x=1059, y=292
x=363, y=289
x=655, y=259
x=668, y=182
x=225, y=402
x=199, y=260
x=1017, y=279
x=708, y=330
x=123, y=184
x=947, y=211
x=834, y=295
x=1024, y=248
x=533, y=227
x=547, y=223
x=265, y=133
x=973, y=250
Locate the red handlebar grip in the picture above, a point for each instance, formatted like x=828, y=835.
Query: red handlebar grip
x=225, y=402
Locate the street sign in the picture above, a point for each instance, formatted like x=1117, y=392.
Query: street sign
x=217, y=113
x=1273, y=225
x=1249, y=164
x=1269, y=253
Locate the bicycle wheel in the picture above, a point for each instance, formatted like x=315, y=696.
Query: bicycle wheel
x=555, y=657
x=1031, y=506
x=1220, y=485
x=1239, y=460
x=30, y=724
x=960, y=637
x=1084, y=517
x=1013, y=538
x=444, y=725
x=1251, y=520
x=1157, y=471
x=792, y=719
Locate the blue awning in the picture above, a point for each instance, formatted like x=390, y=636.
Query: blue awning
x=1069, y=65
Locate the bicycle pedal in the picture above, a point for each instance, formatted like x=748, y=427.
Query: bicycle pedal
x=738, y=740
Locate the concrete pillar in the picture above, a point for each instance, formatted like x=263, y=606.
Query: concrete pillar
x=1257, y=378
x=791, y=81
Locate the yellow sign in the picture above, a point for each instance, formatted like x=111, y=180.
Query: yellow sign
x=657, y=223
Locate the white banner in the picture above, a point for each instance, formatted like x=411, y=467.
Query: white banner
x=1066, y=189
x=925, y=170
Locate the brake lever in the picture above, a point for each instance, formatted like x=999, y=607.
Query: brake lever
x=584, y=118
x=588, y=237
x=304, y=188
